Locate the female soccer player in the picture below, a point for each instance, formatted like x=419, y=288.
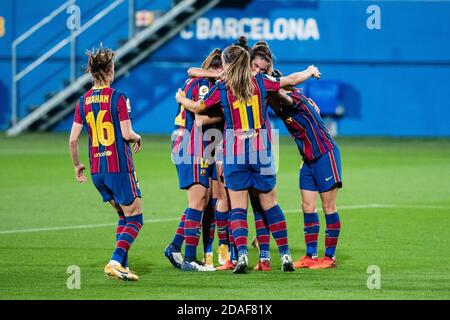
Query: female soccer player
x=105, y=113
x=243, y=100
x=320, y=174
x=261, y=61
x=194, y=171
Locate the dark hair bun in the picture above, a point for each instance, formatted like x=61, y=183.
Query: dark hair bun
x=242, y=41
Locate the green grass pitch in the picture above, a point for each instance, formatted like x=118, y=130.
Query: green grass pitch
x=394, y=207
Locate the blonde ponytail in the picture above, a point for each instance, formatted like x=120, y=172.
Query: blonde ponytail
x=238, y=75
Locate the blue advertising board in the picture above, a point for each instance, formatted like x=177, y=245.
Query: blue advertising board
x=391, y=60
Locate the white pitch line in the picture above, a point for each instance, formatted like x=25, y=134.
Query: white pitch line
x=86, y=226
x=348, y=207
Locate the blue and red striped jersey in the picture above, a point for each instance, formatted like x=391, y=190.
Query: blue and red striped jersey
x=307, y=127
x=100, y=110
x=194, y=89
x=245, y=117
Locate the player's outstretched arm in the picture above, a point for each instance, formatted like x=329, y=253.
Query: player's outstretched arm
x=73, y=147
x=202, y=73
x=298, y=77
x=129, y=135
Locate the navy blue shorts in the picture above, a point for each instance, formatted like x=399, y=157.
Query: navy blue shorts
x=322, y=174
x=214, y=172
x=122, y=187
x=245, y=176
x=198, y=171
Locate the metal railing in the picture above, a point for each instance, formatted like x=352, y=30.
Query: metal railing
x=185, y=10
x=71, y=39
x=21, y=39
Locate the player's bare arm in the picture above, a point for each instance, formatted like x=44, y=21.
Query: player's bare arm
x=73, y=147
x=203, y=73
x=129, y=135
x=298, y=77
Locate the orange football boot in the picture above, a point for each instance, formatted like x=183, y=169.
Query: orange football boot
x=263, y=266
x=305, y=262
x=324, y=263
x=227, y=266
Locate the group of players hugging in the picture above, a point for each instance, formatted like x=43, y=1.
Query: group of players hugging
x=222, y=150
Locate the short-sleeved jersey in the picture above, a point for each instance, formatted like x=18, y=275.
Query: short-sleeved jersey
x=307, y=127
x=100, y=110
x=194, y=89
x=245, y=119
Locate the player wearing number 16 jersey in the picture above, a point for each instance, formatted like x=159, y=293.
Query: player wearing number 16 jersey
x=105, y=113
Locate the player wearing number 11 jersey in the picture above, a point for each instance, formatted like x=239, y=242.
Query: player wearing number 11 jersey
x=105, y=113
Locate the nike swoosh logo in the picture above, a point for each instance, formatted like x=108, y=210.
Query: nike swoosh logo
x=328, y=179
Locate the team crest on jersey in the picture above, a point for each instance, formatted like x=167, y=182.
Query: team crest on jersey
x=203, y=172
x=203, y=91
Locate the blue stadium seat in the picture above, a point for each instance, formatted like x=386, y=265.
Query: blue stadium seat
x=327, y=95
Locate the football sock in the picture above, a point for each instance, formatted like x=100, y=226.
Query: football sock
x=311, y=228
x=277, y=226
x=239, y=227
x=232, y=247
x=127, y=236
x=222, y=226
x=179, y=235
x=332, y=233
x=192, y=233
x=263, y=236
x=209, y=225
x=120, y=225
